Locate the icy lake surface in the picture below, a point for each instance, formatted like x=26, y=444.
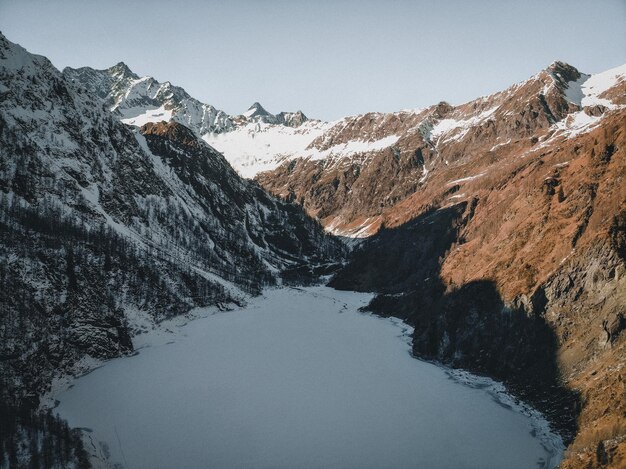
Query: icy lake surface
x=298, y=378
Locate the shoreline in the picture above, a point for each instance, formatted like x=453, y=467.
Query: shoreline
x=167, y=332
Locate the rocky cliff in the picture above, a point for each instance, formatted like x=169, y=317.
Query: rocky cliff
x=509, y=259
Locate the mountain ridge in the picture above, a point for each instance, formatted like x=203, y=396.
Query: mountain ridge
x=495, y=227
x=430, y=138
x=107, y=229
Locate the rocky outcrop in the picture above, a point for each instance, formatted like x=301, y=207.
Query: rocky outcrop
x=257, y=113
x=291, y=119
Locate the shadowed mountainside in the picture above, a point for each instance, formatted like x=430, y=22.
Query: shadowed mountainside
x=468, y=326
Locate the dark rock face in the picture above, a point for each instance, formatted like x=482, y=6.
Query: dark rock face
x=468, y=326
x=291, y=119
x=282, y=231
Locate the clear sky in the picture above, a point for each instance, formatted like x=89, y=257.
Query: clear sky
x=327, y=58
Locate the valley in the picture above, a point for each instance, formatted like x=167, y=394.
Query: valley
x=486, y=239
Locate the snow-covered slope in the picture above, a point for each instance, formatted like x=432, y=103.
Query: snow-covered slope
x=258, y=146
x=587, y=90
x=101, y=222
x=252, y=142
x=259, y=140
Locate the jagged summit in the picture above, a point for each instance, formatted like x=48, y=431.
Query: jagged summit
x=257, y=113
x=563, y=71
x=118, y=71
x=121, y=69
x=256, y=110
x=138, y=100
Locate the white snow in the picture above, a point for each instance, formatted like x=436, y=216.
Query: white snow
x=599, y=83
x=299, y=378
x=141, y=116
x=257, y=147
x=357, y=232
x=250, y=112
x=574, y=91
x=498, y=145
x=577, y=123
x=456, y=129
x=465, y=179
x=353, y=147
x=586, y=90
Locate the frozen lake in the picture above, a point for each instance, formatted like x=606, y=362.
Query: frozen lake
x=299, y=378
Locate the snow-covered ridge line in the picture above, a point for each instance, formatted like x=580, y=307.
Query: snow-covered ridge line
x=456, y=129
x=352, y=147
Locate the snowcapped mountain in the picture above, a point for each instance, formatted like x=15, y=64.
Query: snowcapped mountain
x=138, y=100
x=496, y=227
x=257, y=113
x=361, y=166
x=253, y=147
x=107, y=228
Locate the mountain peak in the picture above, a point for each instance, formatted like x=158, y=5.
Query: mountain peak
x=256, y=110
x=563, y=70
x=121, y=69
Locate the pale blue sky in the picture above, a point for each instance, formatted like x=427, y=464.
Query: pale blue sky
x=328, y=58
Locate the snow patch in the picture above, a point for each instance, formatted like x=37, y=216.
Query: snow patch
x=456, y=129
x=257, y=147
x=598, y=84
x=574, y=91
x=353, y=147
x=465, y=179
x=146, y=115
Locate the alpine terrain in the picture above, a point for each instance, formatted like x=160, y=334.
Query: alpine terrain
x=496, y=229
x=106, y=228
